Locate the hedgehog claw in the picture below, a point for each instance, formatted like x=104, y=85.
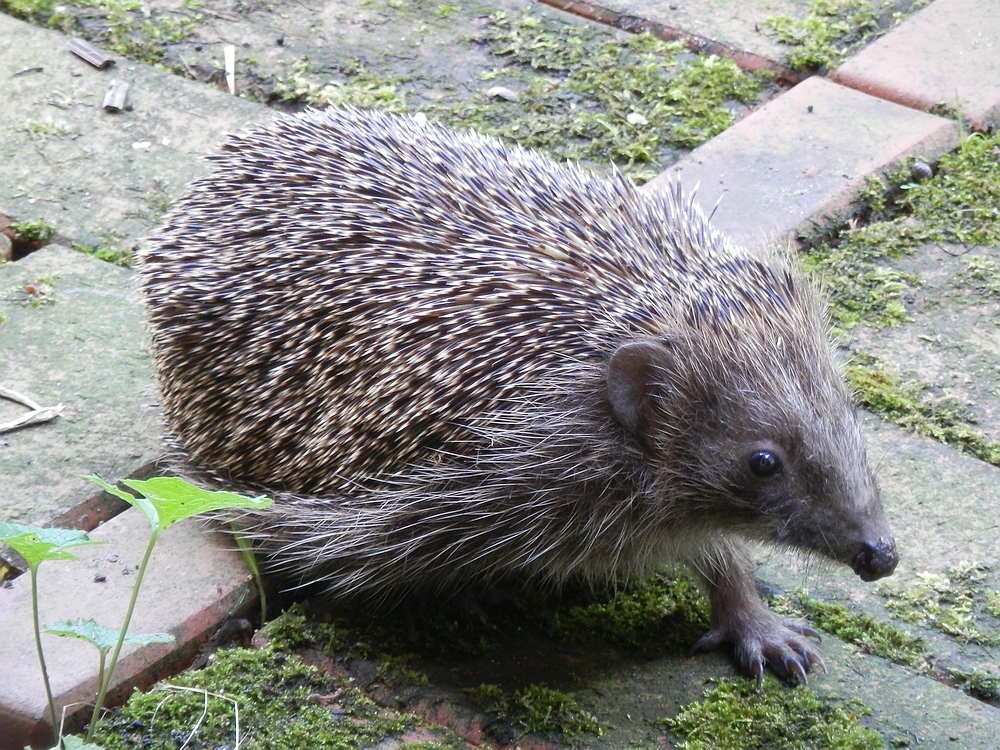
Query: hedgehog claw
x=768, y=642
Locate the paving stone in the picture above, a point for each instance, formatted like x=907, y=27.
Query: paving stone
x=82, y=345
x=903, y=704
x=92, y=174
x=946, y=54
x=802, y=156
x=952, y=341
x=195, y=579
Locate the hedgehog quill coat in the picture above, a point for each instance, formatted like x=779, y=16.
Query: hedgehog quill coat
x=450, y=361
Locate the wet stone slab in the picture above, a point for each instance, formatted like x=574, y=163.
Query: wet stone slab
x=952, y=342
x=78, y=341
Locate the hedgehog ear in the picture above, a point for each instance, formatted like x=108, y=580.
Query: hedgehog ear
x=634, y=372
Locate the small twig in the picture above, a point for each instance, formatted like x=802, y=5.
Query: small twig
x=36, y=415
x=229, y=55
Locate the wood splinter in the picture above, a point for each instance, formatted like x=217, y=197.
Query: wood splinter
x=89, y=53
x=116, y=97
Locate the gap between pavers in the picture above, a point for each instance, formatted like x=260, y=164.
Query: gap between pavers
x=947, y=54
x=195, y=579
x=803, y=156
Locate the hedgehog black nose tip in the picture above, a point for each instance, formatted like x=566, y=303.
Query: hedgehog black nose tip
x=876, y=560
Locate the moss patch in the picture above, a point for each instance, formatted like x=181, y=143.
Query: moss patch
x=537, y=708
x=824, y=38
x=979, y=683
x=35, y=230
x=980, y=273
x=955, y=602
x=125, y=27
x=736, y=715
x=355, y=85
x=913, y=405
x=898, y=212
x=666, y=612
x=282, y=704
x=857, y=628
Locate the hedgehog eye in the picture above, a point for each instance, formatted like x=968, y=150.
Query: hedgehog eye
x=764, y=464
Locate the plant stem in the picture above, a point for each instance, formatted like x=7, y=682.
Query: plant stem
x=109, y=674
x=38, y=645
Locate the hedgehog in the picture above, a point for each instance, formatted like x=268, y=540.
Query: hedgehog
x=454, y=362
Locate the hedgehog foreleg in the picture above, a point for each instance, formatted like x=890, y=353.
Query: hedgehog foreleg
x=759, y=637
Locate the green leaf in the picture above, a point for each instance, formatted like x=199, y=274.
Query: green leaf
x=102, y=637
x=36, y=545
x=167, y=500
x=72, y=742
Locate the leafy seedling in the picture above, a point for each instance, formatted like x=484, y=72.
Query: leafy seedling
x=37, y=545
x=164, y=501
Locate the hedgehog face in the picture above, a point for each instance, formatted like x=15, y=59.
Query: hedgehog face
x=758, y=450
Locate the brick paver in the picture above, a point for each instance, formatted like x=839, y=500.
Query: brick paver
x=802, y=156
x=947, y=54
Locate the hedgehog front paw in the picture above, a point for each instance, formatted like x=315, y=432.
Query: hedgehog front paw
x=767, y=640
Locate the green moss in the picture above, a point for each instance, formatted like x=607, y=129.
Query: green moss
x=118, y=256
x=47, y=128
x=289, y=630
x=857, y=628
x=354, y=85
x=282, y=704
x=954, y=603
x=959, y=204
x=36, y=230
x=978, y=683
x=585, y=94
x=537, y=708
x=981, y=273
x=125, y=27
x=737, y=715
x=894, y=216
x=666, y=612
x=36, y=11
x=823, y=39
x=342, y=638
x=993, y=603
x=912, y=404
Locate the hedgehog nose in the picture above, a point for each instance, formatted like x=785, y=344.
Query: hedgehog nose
x=876, y=560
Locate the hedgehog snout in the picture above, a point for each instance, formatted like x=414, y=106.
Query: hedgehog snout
x=876, y=559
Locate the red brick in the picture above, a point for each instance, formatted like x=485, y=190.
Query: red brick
x=802, y=156
x=948, y=53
